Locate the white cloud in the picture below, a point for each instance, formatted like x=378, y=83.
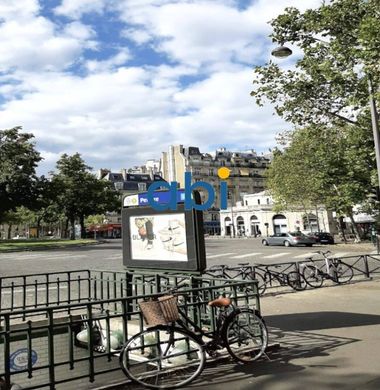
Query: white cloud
x=20, y=9
x=32, y=42
x=118, y=115
x=74, y=9
x=123, y=117
x=115, y=61
x=205, y=32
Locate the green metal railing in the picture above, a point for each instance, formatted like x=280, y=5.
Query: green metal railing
x=91, y=303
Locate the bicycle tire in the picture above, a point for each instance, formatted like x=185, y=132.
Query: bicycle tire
x=312, y=276
x=245, y=335
x=344, y=273
x=261, y=284
x=151, y=359
x=296, y=281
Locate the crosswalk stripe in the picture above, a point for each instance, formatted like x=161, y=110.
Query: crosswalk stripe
x=276, y=255
x=246, y=255
x=220, y=255
x=304, y=255
x=341, y=254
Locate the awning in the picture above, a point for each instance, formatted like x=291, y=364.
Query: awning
x=360, y=218
x=244, y=172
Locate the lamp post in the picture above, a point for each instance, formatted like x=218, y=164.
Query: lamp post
x=283, y=52
x=232, y=216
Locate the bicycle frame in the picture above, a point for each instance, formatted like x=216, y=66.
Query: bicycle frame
x=215, y=335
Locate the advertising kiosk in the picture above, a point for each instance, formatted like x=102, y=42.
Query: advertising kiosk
x=169, y=240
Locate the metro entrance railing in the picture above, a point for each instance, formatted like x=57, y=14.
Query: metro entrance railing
x=64, y=330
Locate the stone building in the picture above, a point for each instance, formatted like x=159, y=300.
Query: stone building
x=255, y=216
x=246, y=174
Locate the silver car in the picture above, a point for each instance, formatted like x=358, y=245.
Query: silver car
x=288, y=239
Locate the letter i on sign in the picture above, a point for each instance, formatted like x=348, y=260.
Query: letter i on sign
x=223, y=173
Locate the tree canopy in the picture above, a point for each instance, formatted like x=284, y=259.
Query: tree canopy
x=339, y=43
x=18, y=162
x=329, y=157
x=79, y=192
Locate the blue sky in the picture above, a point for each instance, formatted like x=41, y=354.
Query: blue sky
x=120, y=80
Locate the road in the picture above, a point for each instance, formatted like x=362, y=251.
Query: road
x=108, y=256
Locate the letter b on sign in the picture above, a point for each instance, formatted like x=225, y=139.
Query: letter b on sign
x=189, y=201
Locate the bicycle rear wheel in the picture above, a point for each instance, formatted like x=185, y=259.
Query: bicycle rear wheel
x=162, y=357
x=296, y=281
x=344, y=273
x=245, y=335
x=312, y=276
x=261, y=285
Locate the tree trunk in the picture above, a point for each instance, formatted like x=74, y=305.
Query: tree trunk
x=38, y=227
x=82, y=227
x=341, y=230
x=72, y=228
x=307, y=217
x=9, y=231
x=66, y=229
x=354, y=227
x=316, y=214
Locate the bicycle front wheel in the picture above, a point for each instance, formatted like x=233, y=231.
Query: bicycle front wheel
x=245, y=336
x=344, y=273
x=312, y=276
x=261, y=285
x=162, y=357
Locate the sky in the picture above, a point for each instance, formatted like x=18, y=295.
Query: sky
x=120, y=80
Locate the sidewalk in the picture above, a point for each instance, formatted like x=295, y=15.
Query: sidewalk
x=330, y=339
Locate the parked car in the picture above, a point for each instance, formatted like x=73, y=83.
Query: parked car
x=322, y=237
x=288, y=239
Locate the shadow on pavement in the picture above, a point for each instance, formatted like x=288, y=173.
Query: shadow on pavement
x=228, y=374
x=320, y=320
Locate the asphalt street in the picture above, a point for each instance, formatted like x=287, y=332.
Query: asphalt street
x=108, y=256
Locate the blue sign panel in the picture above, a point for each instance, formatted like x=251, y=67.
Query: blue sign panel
x=19, y=360
x=162, y=197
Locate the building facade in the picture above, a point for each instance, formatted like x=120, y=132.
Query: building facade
x=126, y=182
x=255, y=216
x=246, y=174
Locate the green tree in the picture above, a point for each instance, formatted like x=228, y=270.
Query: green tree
x=18, y=162
x=80, y=193
x=340, y=42
x=328, y=89
x=322, y=165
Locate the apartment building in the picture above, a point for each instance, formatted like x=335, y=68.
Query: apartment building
x=246, y=174
x=255, y=215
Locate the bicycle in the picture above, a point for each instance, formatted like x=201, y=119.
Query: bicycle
x=244, y=271
x=336, y=270
x=293, y=279
x=170, y=354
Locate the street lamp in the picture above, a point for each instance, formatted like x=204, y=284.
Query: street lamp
x=283, y=52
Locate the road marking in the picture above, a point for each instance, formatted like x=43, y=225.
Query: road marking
x=310, y=254
x=246, y=255
x=276, y=255
x=31, y=290
x=220, y=255
x=340, y=254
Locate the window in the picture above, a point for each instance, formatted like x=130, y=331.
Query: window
x=267, y=200
x=258, y=201
x=211, y=172
x=142, y=186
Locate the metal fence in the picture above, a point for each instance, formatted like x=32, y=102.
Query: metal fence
x=69, y=326
x=366, y=266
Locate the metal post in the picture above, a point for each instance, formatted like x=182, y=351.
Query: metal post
x=375, y=125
